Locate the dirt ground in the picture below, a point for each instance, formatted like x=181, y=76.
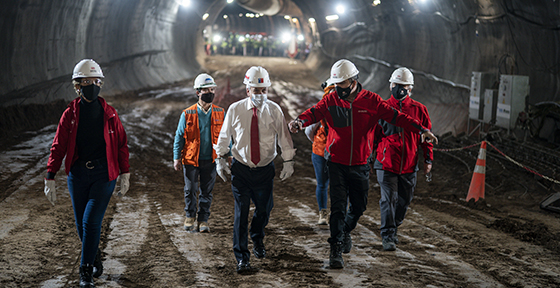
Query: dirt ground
x=505, y=240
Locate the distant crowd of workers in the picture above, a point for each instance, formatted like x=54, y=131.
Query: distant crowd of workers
x=255, y=45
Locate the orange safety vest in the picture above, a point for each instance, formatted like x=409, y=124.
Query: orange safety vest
x=320, y=139
x=191, y=150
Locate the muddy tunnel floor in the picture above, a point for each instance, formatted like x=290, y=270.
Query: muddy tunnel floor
x=505, y=240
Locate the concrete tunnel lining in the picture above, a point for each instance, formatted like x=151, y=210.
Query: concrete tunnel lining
x=142, y=44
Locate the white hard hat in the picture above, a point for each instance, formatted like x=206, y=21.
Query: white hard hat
x=87, y=68
x=257, y=76
x=204, y=81
x=342, y=70
x=402, y=76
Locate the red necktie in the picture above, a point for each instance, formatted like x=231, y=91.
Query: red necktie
x=255, y=150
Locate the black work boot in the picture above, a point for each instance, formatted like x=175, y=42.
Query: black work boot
x=97, y=265
x=347, y=244
x=86, y=276
x=335, y=258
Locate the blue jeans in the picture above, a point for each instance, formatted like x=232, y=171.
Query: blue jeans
x=250, y=184
x=90, y=190
x=206, y=170
x=322, y=176
x=397, y=192
x=349, y=190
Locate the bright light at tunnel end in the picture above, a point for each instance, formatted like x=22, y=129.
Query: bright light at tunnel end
x=229, y=1
x=184, y=3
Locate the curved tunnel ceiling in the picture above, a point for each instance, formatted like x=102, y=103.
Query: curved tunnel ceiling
x=148, y=43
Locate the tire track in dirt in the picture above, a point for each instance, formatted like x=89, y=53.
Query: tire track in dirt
x=536, y=268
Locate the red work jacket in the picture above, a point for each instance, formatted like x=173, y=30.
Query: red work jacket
x=64, y=143
x=351, y=124
x=397, y=148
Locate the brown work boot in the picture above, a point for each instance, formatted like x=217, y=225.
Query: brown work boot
x=203, y=227
x=189, y=223
x=323, y=217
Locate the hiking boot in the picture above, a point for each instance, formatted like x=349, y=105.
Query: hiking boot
x=396, y=239
x=389, y=244
x=323, y=217
x=189, y=223
x=86, y=277
x=97, y=264
x=203, y=227
x=335, y=258
x=347, y=244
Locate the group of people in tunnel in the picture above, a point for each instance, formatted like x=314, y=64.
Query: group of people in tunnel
x=253, y=44
x=353, y=130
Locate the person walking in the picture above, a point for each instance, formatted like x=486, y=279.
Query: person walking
x=198, y=129
x=351, y=113
x=317, y=134
x=397, y=157
x=256, y=126
x=91, y=137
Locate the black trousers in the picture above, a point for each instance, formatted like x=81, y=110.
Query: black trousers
x=248, y=184
x=348, y=184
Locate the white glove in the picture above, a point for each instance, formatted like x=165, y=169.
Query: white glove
x=287, y=170
x=50, y=191
x=222, y=168
x=125, y=184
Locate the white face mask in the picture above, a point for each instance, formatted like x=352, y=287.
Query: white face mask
x=258, y=99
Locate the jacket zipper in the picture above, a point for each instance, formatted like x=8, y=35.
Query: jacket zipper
x=402, y=148
x=351, y=134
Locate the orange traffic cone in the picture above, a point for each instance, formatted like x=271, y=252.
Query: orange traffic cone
x=476, y=190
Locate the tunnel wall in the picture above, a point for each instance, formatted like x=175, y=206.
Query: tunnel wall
x=147, y=43
x=138, y=44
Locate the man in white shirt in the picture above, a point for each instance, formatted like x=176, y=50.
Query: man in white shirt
x=255, y=127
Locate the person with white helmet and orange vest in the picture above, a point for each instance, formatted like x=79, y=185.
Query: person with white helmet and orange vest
x=397, y=157
x=91, y=137
x=197, y=130
x=352, y=114
x=256, y=126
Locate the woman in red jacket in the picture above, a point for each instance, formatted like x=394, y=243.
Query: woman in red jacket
x=91, y=137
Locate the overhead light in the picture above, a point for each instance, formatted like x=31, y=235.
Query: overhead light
x=340, y=9
x=331, y=17
x=229, y=1
x=312, y=20
x=205, y=16
x=287, y=17
x=225, y=16
x=217, y=38
x=300, y=37
x=376, y=2
x=184, y=3
x=240, y=14
x=294, y=20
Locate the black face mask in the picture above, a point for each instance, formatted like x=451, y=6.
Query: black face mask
x=91, y=92
x=343, y=93
x=399, y=92
x=207, y=97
